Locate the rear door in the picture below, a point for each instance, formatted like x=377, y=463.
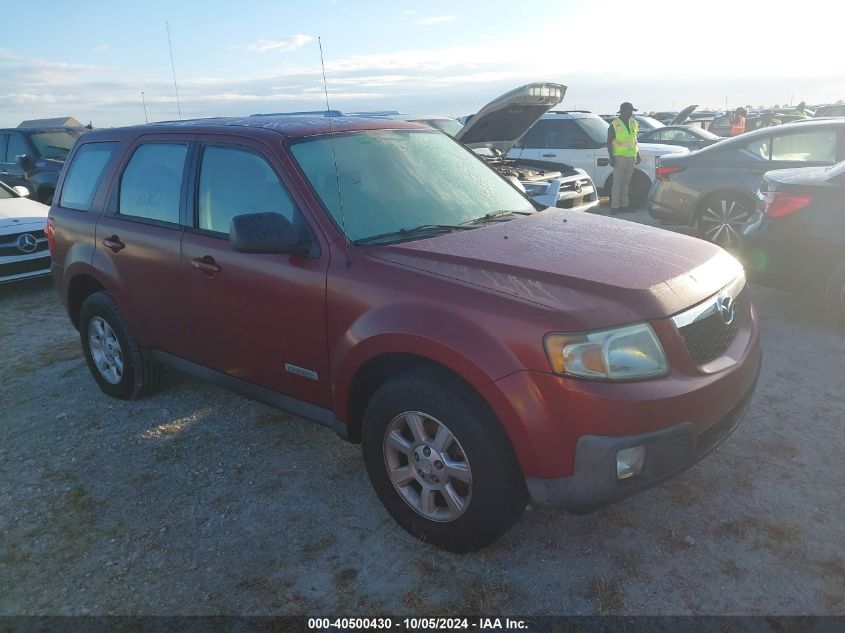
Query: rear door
x=139, y=239
x=257, y=317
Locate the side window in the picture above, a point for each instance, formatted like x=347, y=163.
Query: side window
x=814, y=146
x=758, y=149
x=17, y=146
x=533, y=139
x=84, y=175
x=564, y=134
x=235, y=182
x=151, y=184
x=4, y=140
x=722, y=122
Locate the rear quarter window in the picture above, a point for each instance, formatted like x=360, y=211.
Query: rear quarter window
x=85, y=174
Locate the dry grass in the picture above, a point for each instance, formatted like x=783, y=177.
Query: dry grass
x=487, y=597
x=607, y=596
x=344, y=578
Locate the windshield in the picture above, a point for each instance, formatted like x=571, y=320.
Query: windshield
x=595, y=127
x=5, y=193
x=702, y=133
x=400, y=179
x=449, y=126
x=55, y=144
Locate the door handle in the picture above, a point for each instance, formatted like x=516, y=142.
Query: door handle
x=114, y=243
x=206, y=265
x=549, y=155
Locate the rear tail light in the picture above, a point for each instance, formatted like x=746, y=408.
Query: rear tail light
x=778, y=203
x=49, y=230
x=663, y=172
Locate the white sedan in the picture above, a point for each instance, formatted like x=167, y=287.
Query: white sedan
x=23, y=246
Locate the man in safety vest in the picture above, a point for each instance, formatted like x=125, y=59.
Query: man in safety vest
x=738, y=121
x=624, y=153
x=801, y=110
x=768, y=120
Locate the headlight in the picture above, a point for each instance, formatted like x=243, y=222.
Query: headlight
x=624, y=353
x=536, y=189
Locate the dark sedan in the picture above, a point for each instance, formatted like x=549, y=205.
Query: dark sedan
x=796, y=238
x=714, y=188
x=690, y=136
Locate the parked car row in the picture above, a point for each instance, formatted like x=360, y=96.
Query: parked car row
x=23, y=245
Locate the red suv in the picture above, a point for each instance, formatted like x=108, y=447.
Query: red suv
x=377, y=277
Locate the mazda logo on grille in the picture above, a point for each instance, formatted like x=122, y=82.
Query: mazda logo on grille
x=725, y=306
x=27, y=243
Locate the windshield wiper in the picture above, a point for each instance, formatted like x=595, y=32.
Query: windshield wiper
x=493, y=215
x=422, y=229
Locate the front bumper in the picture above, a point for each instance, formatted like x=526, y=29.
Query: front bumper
x=669, y=451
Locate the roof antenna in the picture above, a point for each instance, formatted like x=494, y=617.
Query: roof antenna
x=144, y=103
x=173, y=68
x=334, y=155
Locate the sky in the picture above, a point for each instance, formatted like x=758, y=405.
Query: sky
x=92, y=60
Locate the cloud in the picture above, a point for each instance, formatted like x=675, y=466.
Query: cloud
x=435, y=19
x=284, y=45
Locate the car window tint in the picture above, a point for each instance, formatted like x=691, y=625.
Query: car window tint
x=812, y=146
x=563, y=134
x=84, y=175
x=4, y=140
x=533, y=139
x=152, y=182
x=17, y=146
x=235, y=182
x=758, y=149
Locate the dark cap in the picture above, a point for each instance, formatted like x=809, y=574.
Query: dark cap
x=627, y=107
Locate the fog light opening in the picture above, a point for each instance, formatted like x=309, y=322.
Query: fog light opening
x=629, y=462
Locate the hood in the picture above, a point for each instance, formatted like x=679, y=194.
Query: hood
x=22, y=211
x=597, y=271
x=683, y=115
x=503, y=121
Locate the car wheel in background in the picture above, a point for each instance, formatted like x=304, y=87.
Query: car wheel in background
x=639, y=188
x=114, y=357
x=721, y=217
x=835, y=294
x=440, y=462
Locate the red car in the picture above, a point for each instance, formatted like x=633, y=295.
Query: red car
x=377, y=277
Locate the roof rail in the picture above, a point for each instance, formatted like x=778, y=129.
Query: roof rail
x=375, y=113
x=568, y=111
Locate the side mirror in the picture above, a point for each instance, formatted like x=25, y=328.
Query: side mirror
x=267, y=233
x=24, y=160
x=23, y=192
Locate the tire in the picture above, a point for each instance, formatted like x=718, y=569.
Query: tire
x=721, y=217
x=835, y=295
x=638, y=190
x=477, y=488
x=111, y=351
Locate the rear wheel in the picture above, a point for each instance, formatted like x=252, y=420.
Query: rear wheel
x=113, y=356
x=440, y=462
x=721, y=218
x=835, y=294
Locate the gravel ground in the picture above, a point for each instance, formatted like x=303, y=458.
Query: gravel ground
x=197, y=501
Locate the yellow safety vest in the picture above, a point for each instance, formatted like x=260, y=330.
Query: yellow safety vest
x=624, y=141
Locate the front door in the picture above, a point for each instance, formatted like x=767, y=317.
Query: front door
x=257, y=317
x=11, y=171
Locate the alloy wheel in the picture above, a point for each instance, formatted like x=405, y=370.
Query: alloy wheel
x=427, y=466
x=722, y=220
x=105, y=350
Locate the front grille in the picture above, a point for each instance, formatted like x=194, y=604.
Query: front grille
x=25, y=266
x=9, y=244
x=709, y=338
x=709, y=328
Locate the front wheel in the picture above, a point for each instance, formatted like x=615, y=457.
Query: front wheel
x=721, y=218
x=440, y=462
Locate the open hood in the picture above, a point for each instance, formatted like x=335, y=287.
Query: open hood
x=683, y=115
x=503, y=121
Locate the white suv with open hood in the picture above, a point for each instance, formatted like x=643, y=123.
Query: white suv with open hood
x=579, y=139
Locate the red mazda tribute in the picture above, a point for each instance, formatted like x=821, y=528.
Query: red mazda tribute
x=377, y=277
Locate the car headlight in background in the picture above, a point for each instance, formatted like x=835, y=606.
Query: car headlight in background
x=624, y=353
x=536, y=189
